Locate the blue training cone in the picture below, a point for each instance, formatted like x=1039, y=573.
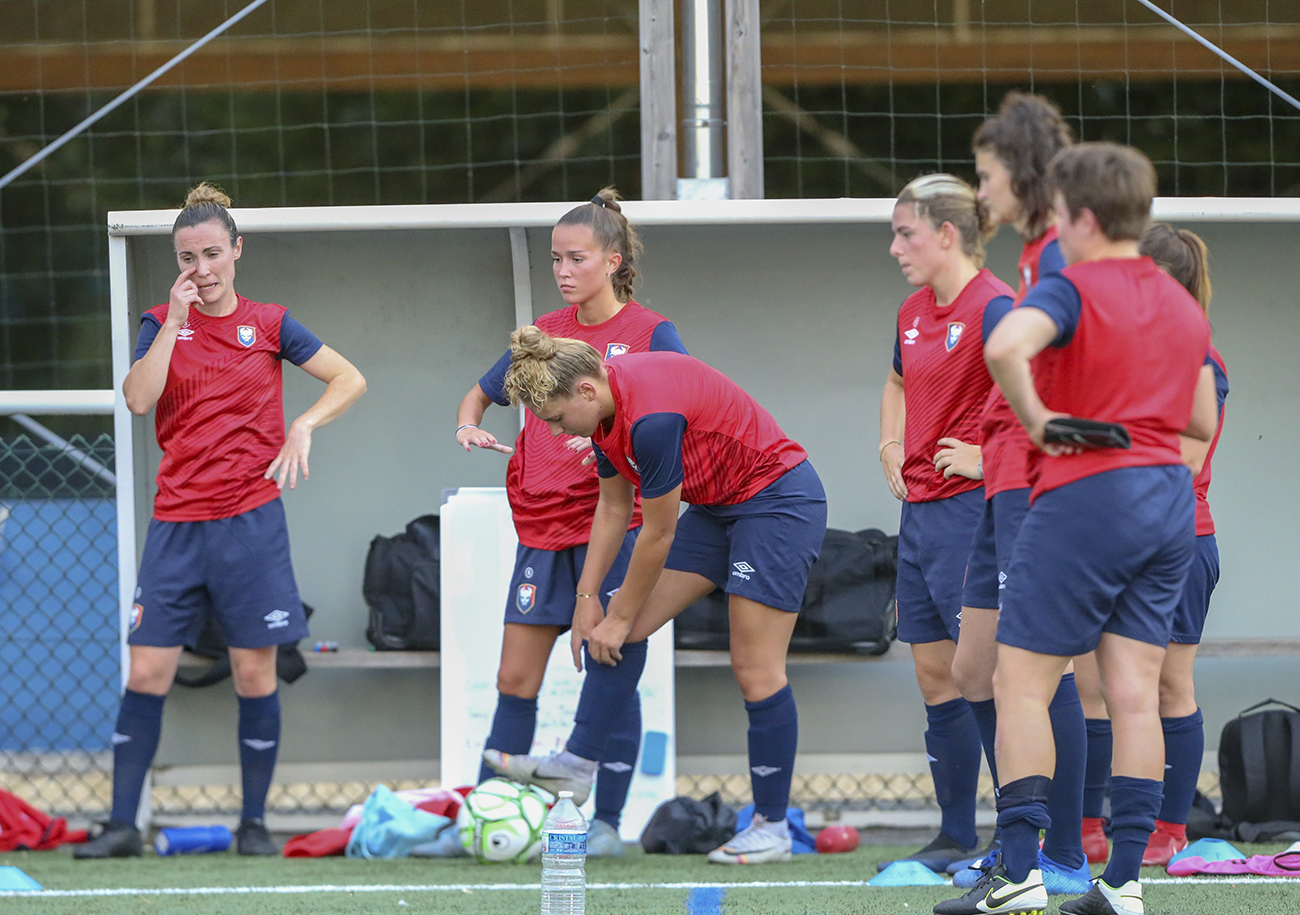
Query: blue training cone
x=906, y=873
x=11, y=878
x=1210, y=850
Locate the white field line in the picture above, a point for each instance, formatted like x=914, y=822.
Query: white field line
x=1244, y=880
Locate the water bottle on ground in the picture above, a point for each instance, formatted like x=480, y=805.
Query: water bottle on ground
x=564, y=859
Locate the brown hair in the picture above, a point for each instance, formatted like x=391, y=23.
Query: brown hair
x=206, y=203
x=543, y=367
x=612, y=232
x=1117, y=183
x=1181, y=254
x=941, y=198
x=1025, y=134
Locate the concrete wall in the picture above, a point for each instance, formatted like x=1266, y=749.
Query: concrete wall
x=802, y=317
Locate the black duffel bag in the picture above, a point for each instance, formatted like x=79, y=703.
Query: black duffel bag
x=848, y=605
x=1259, y=772
x=402, y=588
x=686, y=826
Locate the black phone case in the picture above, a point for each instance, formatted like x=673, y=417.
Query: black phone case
x=1086, y=433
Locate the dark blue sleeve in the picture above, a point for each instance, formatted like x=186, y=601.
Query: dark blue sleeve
x=898, y=353
x=603, y=466
x=297, y=343
x=1050, y=259
x=149, y=327
x=494, y=382
x=1058, y=298
x=657, y=448
x=994, y=312
x=665, y=339
x=1220, y=384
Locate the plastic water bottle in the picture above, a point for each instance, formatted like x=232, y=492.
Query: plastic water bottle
x=564, y=859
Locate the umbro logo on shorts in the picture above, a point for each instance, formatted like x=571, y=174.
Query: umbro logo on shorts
x=765, y=771
x=742, y=570
x=277, y=619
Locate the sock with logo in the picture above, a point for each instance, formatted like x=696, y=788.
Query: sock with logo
x=1101, y=744
x=1022, y=812
x=135, y=741
x=773, y=739
x=513, y=726
x=606, y=692
x=1134, y=803
x=952, y=742
x=1184, y=747
x=617, y=763
x=1063, y=843
x=259, y=743
x=986, y=719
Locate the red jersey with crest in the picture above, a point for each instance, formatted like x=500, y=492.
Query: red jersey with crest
x=940, y=354
x=1204, y=521
x=552, y=495
x=1131, y=345
x=731, y=448
x=220, y=419
x=1006, y=447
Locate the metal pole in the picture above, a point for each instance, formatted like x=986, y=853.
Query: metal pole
x=703, y=121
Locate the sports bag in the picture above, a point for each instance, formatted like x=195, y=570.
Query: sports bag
x=402, y=587
x=848, y=605
x=686, y=826
x=211, y=643
x=1259, y=770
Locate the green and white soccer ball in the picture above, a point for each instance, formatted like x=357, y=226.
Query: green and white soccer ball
x=501, y=822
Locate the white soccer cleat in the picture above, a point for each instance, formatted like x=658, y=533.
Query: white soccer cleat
x=555, y=773
x=758, y=843
x=1103, y=899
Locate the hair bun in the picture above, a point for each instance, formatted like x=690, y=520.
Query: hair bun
x=530, y=340
x=207, y=193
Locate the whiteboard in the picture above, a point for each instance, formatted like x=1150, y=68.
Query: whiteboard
x=478, y=556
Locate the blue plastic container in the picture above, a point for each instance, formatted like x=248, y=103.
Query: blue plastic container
x=192, y=840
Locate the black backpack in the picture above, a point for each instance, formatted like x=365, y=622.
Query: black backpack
x=1259, y=772
x=848, y=605
x=289, y=662
x=402, y=587
x=686, y=826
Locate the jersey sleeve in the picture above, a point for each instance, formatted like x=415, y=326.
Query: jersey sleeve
x=994, y=312
x=603, y=467
x=1059, y=299
x=149, y=327
x=297, y=343
x=1220, y=384
x=494, y=382
x=1050, y=259
x=898, y=353
x=665, y=339
x=657, y=448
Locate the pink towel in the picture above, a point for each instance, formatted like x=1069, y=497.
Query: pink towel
x=1284, y=864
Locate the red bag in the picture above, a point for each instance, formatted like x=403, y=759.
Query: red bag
x=22, y=826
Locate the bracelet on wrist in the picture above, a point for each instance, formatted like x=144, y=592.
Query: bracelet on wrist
x=893, y=441
x=466, y=426
x=583, y=594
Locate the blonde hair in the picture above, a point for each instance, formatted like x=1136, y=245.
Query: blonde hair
x=543, y=367
x=612, y=232
x=206, y=203
x=944, y=198
x=1183, y=255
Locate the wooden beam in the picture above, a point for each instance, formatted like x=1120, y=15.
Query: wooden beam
x=658, y=71
x=741, y=36
x=545, y=61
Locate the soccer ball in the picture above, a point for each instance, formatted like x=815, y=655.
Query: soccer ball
x=501, y=821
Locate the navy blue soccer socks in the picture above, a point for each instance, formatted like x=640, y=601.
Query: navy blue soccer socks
x=135, y=741
x=259, y=744
x=773, y=740
x=606, y=692
x=1022, y=812
x=618, y=763
x=513, y=724
x=952, y=742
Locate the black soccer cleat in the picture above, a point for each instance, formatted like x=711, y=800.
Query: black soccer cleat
x=251, y=838
x=1102, y=899
x=940, y=853
x=118, y=840
x=996, y=894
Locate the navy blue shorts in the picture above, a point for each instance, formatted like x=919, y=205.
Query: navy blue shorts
x=933, y=542
x=235, y=568
x=1189, y=615
x=762, y=548
x=990, y=548
x=545, y=581
x=1107, y=553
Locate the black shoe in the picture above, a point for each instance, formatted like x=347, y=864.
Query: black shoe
x=118, y=840
x=996, y=894
x=251, y=838
x=1102, y=900
x=937, y=855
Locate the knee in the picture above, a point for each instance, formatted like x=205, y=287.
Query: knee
x=253, y=672
x=1131, y=696
x=150, y=680
x=973, y=679
x=1177, y=697
x=758, y=681
x=512, y=681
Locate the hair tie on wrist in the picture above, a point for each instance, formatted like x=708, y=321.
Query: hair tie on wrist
x=598, y=200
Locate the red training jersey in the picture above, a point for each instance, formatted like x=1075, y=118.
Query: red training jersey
x=1133, y=357
x=220, y=419
x=1006, y=446
x=552, y=495
x=1204, y=521
x=732, y=448
x=940, y=354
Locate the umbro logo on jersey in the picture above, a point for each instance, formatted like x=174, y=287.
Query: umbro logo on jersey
x=765, y=771
x=254, y=744
x=277, y=619
x=615, y=349
x=954, y=334
x=910, y=336
x=742, y=570
x=247, y=335
x=632, y=463
x=185, y=332
x=617, y=766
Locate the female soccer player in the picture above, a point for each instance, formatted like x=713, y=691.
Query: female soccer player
x=553, y=491
x=210, y=359
x=1181, y=254
x=1103, y=552
x=677, y=430
x=1012, y=150
x=933, y=399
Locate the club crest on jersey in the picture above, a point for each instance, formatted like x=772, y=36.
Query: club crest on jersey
x=137, y=616
x=615, y=349
x=954, y=334
x=248, y=335
x=526, y=599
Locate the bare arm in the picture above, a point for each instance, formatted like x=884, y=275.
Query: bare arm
x=893, y=422
x=1018, y=338
x=608, y=528
x=468, y=416
x=145, y=381
x=1205, y=408
x=343, y=386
